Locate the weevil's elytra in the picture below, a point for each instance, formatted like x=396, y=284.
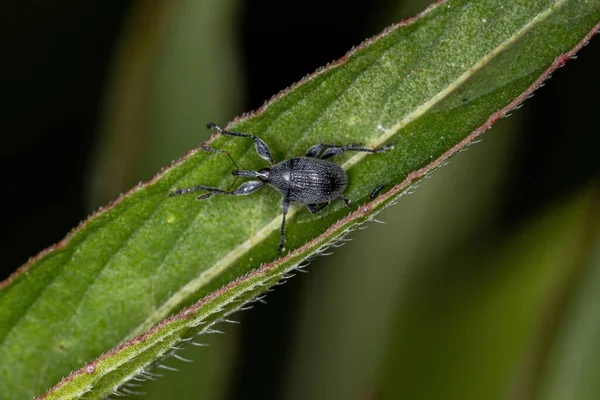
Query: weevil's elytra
x=310, y=180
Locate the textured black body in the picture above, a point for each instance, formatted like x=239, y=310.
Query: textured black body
x=308, y=180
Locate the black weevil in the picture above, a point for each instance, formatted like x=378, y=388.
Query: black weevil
x=309, y=180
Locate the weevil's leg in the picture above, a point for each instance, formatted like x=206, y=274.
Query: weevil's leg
x=314, y=151
x=334, y=149
x=346, y=201
x=261, y=147
x=315, y=208
x=285, y=205
x=243, y=189
x=375, y=192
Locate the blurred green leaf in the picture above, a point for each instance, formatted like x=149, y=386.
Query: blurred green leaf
x=571, y=369
x=208, y=374
x=470, y=331
x=430, y=85
x=175, y=68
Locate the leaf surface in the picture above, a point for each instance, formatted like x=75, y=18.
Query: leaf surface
x=430, y=84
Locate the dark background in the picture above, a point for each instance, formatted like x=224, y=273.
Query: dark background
x=55, y=63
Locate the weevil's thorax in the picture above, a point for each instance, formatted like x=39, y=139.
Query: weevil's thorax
x=280, y=176
x=308, y=180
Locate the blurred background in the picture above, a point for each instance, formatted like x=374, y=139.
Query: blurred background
x=484, y=283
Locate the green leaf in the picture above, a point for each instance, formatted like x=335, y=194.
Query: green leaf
x=170, y=55
x=431, y=84
x=482, y=324
x=572, y=365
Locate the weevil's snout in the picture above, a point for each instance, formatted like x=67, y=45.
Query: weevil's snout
x=263, y=174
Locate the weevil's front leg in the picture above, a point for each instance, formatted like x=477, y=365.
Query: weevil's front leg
x=244, y=189
x=285, y=205
x=261, y=147
x=334, y=149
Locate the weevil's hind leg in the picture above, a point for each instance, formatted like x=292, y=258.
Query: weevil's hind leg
x=315, y=208
x=285, y=205
x=243, y=189
x=346, y=201
x=261, y=147
x=375, y=192
x=334, y=149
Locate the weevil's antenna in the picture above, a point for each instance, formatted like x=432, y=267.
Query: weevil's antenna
x=207, y=148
